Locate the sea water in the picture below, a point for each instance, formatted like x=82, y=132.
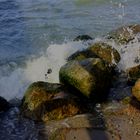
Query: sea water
x=37, y=35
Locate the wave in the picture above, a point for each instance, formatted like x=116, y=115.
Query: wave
x=55, y=56
x=13, y=85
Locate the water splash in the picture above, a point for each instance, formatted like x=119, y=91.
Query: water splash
x=55, y=57
x=12, y=86
x=15, y=84
x=130, y=53
x=119, y=10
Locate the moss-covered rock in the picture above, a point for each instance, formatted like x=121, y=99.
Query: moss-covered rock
x=64, y=107
x=105, y=52
x=133, y=73
x=98, y=50
x=136, y=90
x=4, y=105
x=124, y=34
x=47, y=101
x=39, y=92
x=91, y=77
x=36, y=94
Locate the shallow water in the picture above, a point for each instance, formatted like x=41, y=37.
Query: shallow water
x=37, y=35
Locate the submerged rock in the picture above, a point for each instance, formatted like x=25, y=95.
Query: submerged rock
x=124, y=34
x=98, y=50
x=48, y=101
x=4, y=105
x=136, y=90
x=133, y=73
x=83, y=38
x=91, y=77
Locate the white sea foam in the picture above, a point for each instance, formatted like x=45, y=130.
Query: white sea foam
x=14, y=85
x=130, y=53
x=55, y=57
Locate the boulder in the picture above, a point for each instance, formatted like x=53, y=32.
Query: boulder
x=64, y=107
x=49, y=101
x=83, y=38
x=133, y=73
x=36, y=94
x=98, y=50
x=39, y=92
x=124, y=34
x=4, y=105
x=90, y=77
x=136, y=90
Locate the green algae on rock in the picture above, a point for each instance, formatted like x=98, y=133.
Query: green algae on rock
x=39, y=92
x=98, y=50
x=36, y=94
x=136, y=90
x=64, y=107
x=91, y=77
x=133, y=73
x=125, y=34
x=56, y=109
x=50, y=101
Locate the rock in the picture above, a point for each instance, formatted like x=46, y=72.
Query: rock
x=39, y=92
x=83, y=38
x=46, y=101
x=124, y=34
x=136, y=90
x=55, y=109
x=112, y=123
x=4, y=105
x=98, y=50
x=133, y=73
x=64, y=107
x=81, y=133
x=87, y=121
x=91, y=77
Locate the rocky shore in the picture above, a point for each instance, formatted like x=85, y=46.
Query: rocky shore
x=94, y=99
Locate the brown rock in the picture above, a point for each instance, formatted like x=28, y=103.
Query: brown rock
x=124, y=34
x=136, y=90
x=47, y=101
x=98, y=50
x=133, y=73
